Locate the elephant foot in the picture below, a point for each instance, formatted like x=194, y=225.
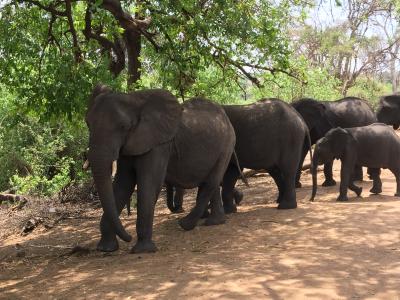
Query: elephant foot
x=229, y=209
x=298, y=184
x=342, y=198
x=215, y=220
x=238, y=196
x=397, y=195
x=187, y=223
x=108, y=244
x=376, y=190
x=205, y=214
x=177, y=210
x=329, y=182
x=287, y=205
x=358, y=191
x=144, y=247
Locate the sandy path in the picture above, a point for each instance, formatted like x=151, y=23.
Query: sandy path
x=322, y=250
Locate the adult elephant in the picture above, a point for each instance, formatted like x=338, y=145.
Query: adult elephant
x=389, y=110
x=270, y=135
x=146, y=137
x=322, y=116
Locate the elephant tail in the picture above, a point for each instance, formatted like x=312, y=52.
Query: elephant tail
x=240, y=169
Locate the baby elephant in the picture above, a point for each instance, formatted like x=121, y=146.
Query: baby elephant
x=374, y=146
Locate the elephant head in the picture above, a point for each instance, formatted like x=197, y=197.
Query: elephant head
x=315, y=115
x=328, y=148
x=389, y=110
x=125, y=124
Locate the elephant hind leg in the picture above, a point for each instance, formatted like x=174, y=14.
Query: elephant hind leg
x=228, y=188
x=358, y=173
x=355, y=189
x=174, y=198
x=374, y=174
x=205, y=193
x=303, y=156
x=396, y=173
x=277, y=176
x=288, y=199
x=217, y=215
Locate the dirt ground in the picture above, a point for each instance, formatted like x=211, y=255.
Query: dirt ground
x=321, y=250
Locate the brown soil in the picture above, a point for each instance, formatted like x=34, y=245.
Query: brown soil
x=321, y=250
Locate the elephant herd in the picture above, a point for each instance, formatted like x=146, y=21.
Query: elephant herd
x=147, y=138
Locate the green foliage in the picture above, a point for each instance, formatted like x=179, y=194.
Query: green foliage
x=42, y=73
x=370, y=90
x=318, y=84
x=38, y=157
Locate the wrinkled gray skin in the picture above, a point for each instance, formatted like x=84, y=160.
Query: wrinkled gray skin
x=154, y=138
x=322, y=116
x=389, y=110
x=270, y=135
x=375, y=146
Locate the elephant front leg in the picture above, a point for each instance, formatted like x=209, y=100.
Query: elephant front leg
x=150, y=171
x=123, y=187
x=374, y=174
x=329, y=181
x=345, y=175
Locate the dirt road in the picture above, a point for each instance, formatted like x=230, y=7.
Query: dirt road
x=322, y=250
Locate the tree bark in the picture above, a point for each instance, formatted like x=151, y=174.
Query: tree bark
x=133, y=42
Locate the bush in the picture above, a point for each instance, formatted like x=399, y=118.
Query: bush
x=39, y=157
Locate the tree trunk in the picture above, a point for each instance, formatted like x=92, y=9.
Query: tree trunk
x=133, y=40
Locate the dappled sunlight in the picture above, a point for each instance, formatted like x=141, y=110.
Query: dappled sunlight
x=322, y=249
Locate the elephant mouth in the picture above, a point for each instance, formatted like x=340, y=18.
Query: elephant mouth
x=396, y=126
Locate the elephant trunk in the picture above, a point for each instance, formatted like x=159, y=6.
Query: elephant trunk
x=102, y=179
x=314, y=167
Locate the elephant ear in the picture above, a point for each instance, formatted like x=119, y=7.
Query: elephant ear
x=340, y=140
x=158, y=121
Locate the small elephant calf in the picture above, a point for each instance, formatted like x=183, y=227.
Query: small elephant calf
x=375, y=146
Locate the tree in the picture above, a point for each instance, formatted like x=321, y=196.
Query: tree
x=79, y=39
x=352, y=47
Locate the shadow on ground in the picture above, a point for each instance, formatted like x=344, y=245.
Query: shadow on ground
x=324, y=249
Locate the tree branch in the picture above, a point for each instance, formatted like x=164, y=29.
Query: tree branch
x=51, y=9
x=77, y=50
